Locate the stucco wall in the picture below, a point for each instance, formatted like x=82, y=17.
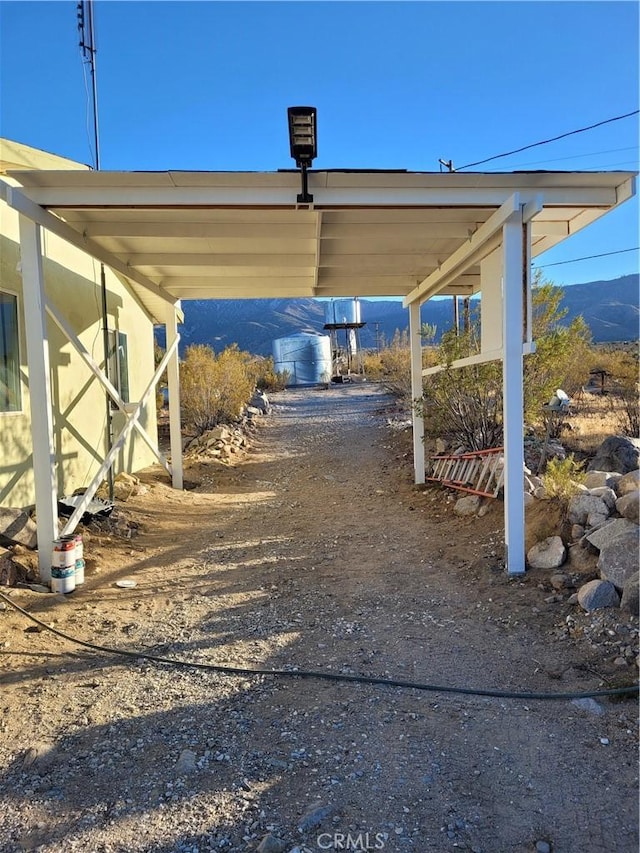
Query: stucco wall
x=72, y=283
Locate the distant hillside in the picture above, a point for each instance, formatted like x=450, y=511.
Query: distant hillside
x=610, y=308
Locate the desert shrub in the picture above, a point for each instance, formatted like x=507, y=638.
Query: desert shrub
x=395, y=366
x=372, y=364
x=563, y=354
x=267, y=378
x=214, y=389
x=463, y=404
x=563, y=477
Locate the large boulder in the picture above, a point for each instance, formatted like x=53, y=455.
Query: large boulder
x=629, y=483
x=617, y=453
x=617, y=528
x=628, y=506
x=596, y=479
x=598, y=594
x=17, y=526
x=583, y=505
x=548, y=554
x=618, y=560
x=630, y=594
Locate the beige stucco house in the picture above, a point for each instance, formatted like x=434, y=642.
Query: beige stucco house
x=73, y=287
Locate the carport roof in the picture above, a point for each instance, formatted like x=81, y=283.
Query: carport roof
x=209, y=235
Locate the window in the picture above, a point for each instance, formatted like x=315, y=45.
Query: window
x=119, y=364
x=10, y=391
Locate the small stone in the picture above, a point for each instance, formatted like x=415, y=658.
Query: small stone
x=590, y=705
x=271, y=844
x=560, y=581
x=604, y=741
x=631, y=594
x=605, y=494
x=314, y=816
x=577, y=532
x=628, y=506
x=186, y=763
x=543, y=847
x=467, y=505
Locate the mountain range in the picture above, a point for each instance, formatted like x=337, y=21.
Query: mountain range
x=610, y=309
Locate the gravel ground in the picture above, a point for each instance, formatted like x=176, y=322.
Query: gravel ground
x=313, y=552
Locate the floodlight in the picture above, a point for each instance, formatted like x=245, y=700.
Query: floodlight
x=303, y=143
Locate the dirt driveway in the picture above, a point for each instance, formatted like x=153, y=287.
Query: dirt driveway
x=317, y=553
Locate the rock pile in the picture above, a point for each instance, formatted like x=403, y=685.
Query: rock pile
x=604, y=519
x=226, y=441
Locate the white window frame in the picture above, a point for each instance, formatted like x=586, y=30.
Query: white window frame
x=20, y=410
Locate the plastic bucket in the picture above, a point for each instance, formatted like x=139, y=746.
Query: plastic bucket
x=63, y=564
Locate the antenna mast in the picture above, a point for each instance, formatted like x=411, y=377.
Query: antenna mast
x=88, y=48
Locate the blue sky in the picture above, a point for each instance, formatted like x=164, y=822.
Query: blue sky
x=205, y=85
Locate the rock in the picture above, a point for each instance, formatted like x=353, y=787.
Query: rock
x=580, y=506
x=617, y=453
x=560, y=581
x=605, y=494
x=543, y=847
x=631, y=594
x=8, y=571
x=271, y=844
x=598, y=594
x=596, y=520
x=577, y=532
x=17, y=526
x=548, y=554
x=617, y=528
x=628, y=506
x=589, y=705
x=314, y=816
x=597, y=479
x=629, y=483
x=467, y=505
x=618, y=558
x=540, y=493
x=129, y=479
x=186, y=763
x=260, y=401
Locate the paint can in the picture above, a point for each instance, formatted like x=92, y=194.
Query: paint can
x=79, y=560
x=63, y=564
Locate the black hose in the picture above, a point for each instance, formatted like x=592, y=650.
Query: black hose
x=328, y=676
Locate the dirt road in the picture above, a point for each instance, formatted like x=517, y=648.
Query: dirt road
x=315, y=553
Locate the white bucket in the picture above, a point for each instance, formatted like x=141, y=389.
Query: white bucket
x=79, y=560
x=63, y=564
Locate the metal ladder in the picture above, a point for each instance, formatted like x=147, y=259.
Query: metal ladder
x=480, y=472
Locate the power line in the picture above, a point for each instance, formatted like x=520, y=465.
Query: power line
x=588, y=257
x=546, y=141
x=575, y=156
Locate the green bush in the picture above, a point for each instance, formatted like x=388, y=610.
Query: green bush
x=267, y=379
x=563, y=477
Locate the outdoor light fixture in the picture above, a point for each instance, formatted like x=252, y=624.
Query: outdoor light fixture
x=303, y=144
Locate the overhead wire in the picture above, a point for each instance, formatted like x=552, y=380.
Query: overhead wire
x=295, y=673
x=589, y=257
x=547, y=141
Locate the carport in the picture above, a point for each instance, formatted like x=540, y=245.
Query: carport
x=219, y=235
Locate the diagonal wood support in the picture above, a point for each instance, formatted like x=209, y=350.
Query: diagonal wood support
x=94, y=367
x=119, y=442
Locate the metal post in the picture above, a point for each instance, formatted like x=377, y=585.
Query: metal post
x=416, y=392
x=513, y=396
x=44, y=463
x=173, y=382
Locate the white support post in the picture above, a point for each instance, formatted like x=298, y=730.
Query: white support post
x=416, y=391
x=513, y=396
x=44, y=466
x=173, y=377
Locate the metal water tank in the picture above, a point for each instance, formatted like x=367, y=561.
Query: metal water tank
x=342, y=312
x=306, y=357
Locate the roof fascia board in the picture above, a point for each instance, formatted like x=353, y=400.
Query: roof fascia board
x=78, y=198
x=16, y=199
